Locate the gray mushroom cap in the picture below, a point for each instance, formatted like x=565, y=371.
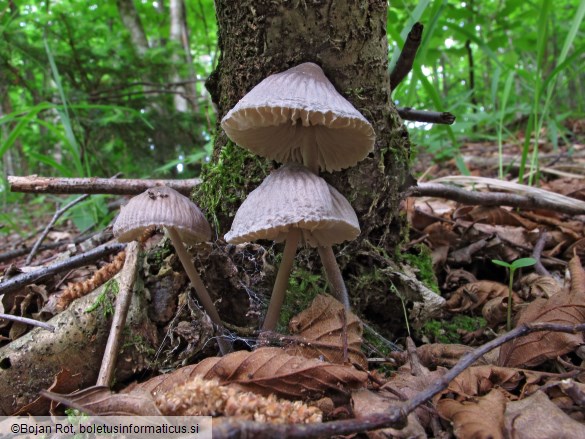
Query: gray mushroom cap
x=293, y=196
x=299, y=108
x=162, y=206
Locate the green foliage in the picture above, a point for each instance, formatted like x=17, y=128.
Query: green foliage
x=442, y=331
x=518, y=263
x=527, y=64
x=303, y=287
x=104, y=300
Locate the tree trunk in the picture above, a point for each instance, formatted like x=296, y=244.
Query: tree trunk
x=347, y=38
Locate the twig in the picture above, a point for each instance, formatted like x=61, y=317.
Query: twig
x=27, y=321
x=123, y=300
x=406, y=59
x=120, y=186
x=50, y=225
x=537, y=253
x=490, y=198
x=86, y=258
x=408, y=113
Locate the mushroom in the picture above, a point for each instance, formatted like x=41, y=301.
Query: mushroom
x=293, y=204
x=298, y=116
x=184, y=223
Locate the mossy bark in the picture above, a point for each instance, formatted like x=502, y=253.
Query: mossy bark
x=347, y=38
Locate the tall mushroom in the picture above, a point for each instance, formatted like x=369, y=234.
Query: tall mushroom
x=184, y=223
x=298, y=116
x=292, y=204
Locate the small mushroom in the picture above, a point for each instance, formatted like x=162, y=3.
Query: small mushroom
x=298, y=116
x=184, y=223
x=293, y=204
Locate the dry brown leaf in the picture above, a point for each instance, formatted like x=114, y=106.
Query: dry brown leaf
x=534, y=285
x=102, y=401
x=445, y=355
x=365, y=403
x=492, y=215
x=474, y=295
x=566, y=308
x=495, y=310
x=479, y=380
x=324, y=330
x=265, y=371
x=536, y=417
x=480, y=418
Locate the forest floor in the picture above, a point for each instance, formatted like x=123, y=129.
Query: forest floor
x=530, y=385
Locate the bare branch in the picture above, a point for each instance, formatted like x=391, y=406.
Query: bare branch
x=121, y=186
x=443, y=118
x=86, y=258
x=490, y=198
x=406, y=59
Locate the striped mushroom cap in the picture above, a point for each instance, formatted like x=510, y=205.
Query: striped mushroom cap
x=299, y=107
x=293, y=196
x=164, y=207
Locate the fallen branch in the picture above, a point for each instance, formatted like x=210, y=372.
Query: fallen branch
x=406, y=59
x=27, y=321
x=45, y=232
x=408, y=113
x=121, y=186
x=86, y=258
x=529, y=202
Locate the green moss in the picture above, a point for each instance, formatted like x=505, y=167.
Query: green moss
x=441, y=331
x=105, y=300
x=225, y=182
x=303, y=287
x=423, y=263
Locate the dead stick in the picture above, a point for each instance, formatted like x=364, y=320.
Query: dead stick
x=489, y=198
x=45, y=232
x=121, y=186
x=123, y=300
x=408, y=113
x=86, y=258
x=537, y=254
x=27, y=321
x=406, y=59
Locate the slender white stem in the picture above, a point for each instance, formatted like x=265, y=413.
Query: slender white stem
x=310, y=151
x=194, y=277
x=279, y=289
x=333, y=274
x=123, y=300
x=202, y=293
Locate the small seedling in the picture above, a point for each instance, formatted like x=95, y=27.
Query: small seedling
x=518, y=263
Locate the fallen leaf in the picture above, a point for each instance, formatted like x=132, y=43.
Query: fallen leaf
x=268, y=370
x=565, y=308
x=325, y=330
x=365, y=403
x=536, y=417
x=479, y=418
x=439, y=354
x=474, y=295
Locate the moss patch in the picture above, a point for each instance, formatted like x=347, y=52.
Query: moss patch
x=422, y=261
x=441, y=331
x=105, y=301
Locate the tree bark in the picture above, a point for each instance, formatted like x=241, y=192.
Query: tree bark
x=348, y=40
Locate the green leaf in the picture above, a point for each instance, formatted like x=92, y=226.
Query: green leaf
x=501, y=263
x=523, y=262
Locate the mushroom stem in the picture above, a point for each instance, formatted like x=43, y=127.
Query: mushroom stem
x=333, y=274
x=310, y=152
x=191, y=271
x=279, y=289
x=197, y=283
